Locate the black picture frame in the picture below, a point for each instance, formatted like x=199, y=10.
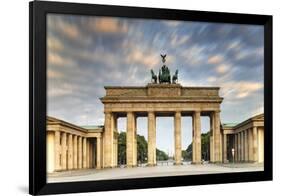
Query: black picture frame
x=37, y=97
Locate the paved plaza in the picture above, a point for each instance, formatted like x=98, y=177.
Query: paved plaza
x=157, y=171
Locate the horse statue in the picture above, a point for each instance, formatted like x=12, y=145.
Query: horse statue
x=164, y=75
x=175, y=77
x=153, y=77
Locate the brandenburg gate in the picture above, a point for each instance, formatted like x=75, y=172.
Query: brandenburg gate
x=156, y=99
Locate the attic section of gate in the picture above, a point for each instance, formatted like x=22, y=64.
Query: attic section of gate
x=161, y=97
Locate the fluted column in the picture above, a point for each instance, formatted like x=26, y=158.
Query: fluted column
x=80, y=150
x=225, y=148
x=88, y=154
x=98, y=157
x=212, y=156
x=75, y=153
x=108, y=140
x=239, y=146
x=177, y=126
x=70, y=152
x=115, y=141
x=57, y=151
x=135, y=143
x=217, y=137
x=131, y=140
x=255, y=144
x=196, y=139
x=242, y=146
x=246, y=146
x=236, y=147
x=84, y=143
x=151, y=139
x=63, y=153
x=250, y=139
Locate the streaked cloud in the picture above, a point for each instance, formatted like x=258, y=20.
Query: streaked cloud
x=54, y=44
x=222, y=68
x=240, y=89
x=107, y=25
x=216, y=59
x=85, y=53
x=53, y=74
x=179, y=40
x=56, y=59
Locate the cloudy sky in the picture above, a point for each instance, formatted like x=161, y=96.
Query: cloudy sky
x=87, y=53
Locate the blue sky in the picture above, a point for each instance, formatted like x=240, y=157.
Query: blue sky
x=86, y=53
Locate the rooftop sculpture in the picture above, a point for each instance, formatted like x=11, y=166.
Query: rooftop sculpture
x=164, y=74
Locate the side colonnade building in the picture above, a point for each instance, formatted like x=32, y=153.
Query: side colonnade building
x=71, y=147
x=244, y=140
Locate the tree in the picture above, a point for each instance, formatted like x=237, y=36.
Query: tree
x=205, y=148
x=161, y=155
x=122, y=148
x=184, y=155
x=141, y=150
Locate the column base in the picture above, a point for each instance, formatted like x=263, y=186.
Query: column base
x=151, y=164
x=108, y=167
x=178, y=163
x=196, y=163
x=131, y=166
x=216, y=162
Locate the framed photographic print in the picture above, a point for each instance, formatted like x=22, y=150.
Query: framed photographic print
x=131, y=97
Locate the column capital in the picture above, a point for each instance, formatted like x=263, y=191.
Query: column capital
x=197, y=111
x=177, y=113
x=129, y=112
x=150, y=114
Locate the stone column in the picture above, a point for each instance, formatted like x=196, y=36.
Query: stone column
x=151, y=139
x=115, y=141
x=255, y=144
x=235, y=147
x=98, y=157
x=94, y=154
x=88, y=154
x=250, y=139
x=57, y=151
x=225, y=148
x=196, y=139
x=217, y=137
x=239, y=146
x=70, y=152
x=135, y=144
x=246, y=146
x=116, y=151
x=84, y=152
x=108, y=140
x=75, y=157
x=130, y=143
x=212, y=156
x=177, y=127
x=63, y=153
x=80, y=152
x=242, y=147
